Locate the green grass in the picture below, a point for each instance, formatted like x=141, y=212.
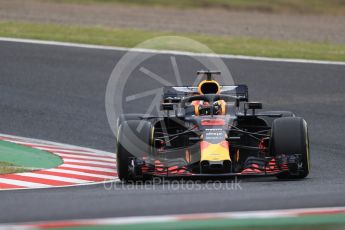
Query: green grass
x=296, y=6
x=312, y=222
x=6, y=168
x=18, y=158
x=131, y=37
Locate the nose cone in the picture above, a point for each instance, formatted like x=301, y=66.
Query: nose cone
x=215, y=166
x=214, y=152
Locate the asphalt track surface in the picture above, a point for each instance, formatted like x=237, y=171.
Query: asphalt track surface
x=57, y=93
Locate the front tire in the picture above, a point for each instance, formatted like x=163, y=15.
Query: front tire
x=134, y=140
x=290, y=142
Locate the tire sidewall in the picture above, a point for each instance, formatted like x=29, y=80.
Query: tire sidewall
x=130, y=147
x=290, y=136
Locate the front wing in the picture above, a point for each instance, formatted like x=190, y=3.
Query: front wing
x=270, y=169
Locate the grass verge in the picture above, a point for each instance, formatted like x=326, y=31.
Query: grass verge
x=308, y=222
x=132, y=37
x=16, y=158
x=6, y=168
x=332, y=7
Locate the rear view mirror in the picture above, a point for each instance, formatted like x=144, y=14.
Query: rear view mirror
x=167, y=106
x=253, y=105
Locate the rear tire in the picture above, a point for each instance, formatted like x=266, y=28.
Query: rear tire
x=290, y=138
x=269, y=120
x=282, y=113
x=132, y=145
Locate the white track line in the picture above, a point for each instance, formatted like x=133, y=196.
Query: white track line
x=22, y=183
x=224, y=215
x=63, y=186
x=88, y=168
x=32, y=140
x=84, y=157
x=89, y=162
x=57, y=178
x=264, y=214
x=61, y=150
x=45, y=147
x=112, y=167
x=225, y=56
x=80, y=173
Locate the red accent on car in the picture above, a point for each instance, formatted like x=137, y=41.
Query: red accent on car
x=262, y=146
x=204, y=144
x=224, y=144
x=213, y=122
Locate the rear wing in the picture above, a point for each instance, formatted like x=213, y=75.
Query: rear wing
x=175, y=94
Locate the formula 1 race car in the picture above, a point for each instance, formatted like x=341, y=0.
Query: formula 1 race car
x=211, y=130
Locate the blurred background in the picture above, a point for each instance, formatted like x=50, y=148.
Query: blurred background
x=57, y=93
x=312, y=29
